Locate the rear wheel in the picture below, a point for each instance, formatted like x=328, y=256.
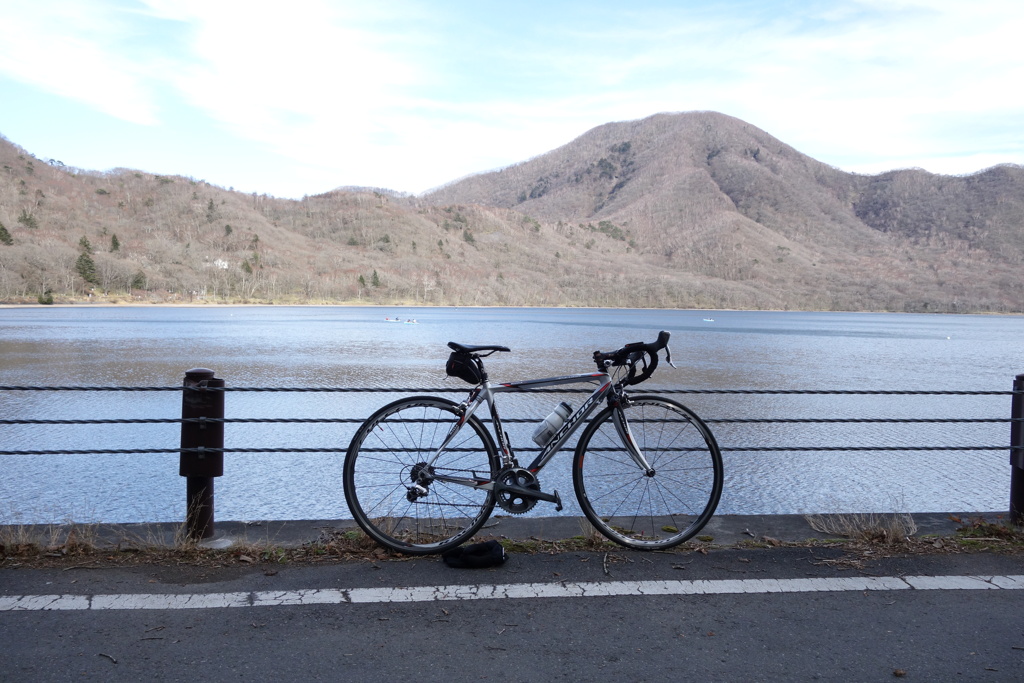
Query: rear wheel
x=649, y=510
x=399, y=497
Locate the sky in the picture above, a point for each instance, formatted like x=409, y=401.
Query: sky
x=301, y=97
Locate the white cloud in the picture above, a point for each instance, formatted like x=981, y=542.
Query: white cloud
x=64, y=47
x=320, y=83
x=869, y=86
x=413, y=94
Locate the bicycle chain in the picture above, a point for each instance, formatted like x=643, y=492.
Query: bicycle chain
x=448, y=470
x=504, y=503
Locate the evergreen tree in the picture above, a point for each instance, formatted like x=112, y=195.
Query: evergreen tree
x=86, y=267
x=115, y=244
x=28, y=220
x=5, y=237
x=375, y=279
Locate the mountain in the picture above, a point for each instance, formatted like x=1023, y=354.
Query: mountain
x=708, y=194
x=692, y=210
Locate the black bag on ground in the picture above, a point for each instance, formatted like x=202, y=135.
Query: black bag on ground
x=476, y=556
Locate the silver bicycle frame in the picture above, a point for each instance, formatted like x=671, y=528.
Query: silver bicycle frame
x=485, y=392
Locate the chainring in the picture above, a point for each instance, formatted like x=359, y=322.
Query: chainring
x=512, y=501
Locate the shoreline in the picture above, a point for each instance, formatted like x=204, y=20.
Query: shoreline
x=228, y=304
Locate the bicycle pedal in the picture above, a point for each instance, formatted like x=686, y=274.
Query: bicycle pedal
x=558, y=501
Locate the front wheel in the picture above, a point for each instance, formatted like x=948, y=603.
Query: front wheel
x=648, y=510
x=405, y=499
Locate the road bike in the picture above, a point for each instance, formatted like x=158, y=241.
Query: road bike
x=423, y=474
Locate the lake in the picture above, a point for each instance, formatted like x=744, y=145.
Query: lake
x=317, y=347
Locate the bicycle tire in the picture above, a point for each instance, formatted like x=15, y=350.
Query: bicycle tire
x=649, y=512
x=377, y=476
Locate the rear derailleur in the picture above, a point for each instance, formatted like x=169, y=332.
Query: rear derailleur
x=421, y=476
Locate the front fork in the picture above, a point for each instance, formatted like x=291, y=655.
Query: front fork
x=626, y=434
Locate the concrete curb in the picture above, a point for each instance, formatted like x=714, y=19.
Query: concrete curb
x=722, y=530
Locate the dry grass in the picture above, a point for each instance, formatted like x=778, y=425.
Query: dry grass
x=590, y=533
x=886, y=529
x=53, y=539
x=980, y=534
x=72, y=541
x=67, y=545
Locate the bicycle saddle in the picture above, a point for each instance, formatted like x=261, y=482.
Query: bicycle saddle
x=467, y=348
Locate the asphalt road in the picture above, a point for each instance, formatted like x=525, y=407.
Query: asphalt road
x=698, y=629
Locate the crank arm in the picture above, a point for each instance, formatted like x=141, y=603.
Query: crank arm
x=534, y=494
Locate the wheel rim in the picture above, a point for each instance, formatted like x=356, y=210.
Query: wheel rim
x=642, y=511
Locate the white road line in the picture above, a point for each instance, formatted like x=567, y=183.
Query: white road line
x=333, y=596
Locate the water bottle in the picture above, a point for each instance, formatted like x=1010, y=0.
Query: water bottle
x=551, y=424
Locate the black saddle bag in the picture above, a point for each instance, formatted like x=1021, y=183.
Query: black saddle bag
x=466, y=367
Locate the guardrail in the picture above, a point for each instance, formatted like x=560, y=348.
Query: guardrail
x=201, y=448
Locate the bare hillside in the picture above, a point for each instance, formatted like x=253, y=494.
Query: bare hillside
x=676, y=210
x=708, y=194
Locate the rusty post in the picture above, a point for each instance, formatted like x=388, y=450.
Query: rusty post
x=202, y=431
x=1017, y=452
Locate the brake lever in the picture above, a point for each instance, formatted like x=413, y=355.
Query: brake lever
x=668, y=356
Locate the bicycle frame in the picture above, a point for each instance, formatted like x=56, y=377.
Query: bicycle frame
x=485, y=393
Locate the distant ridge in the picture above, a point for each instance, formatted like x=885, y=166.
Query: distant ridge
x=372, y=190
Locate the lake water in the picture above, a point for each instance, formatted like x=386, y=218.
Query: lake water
x=354, y=347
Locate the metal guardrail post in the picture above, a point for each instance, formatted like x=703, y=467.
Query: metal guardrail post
x=200, y=468
x=1017, y=453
